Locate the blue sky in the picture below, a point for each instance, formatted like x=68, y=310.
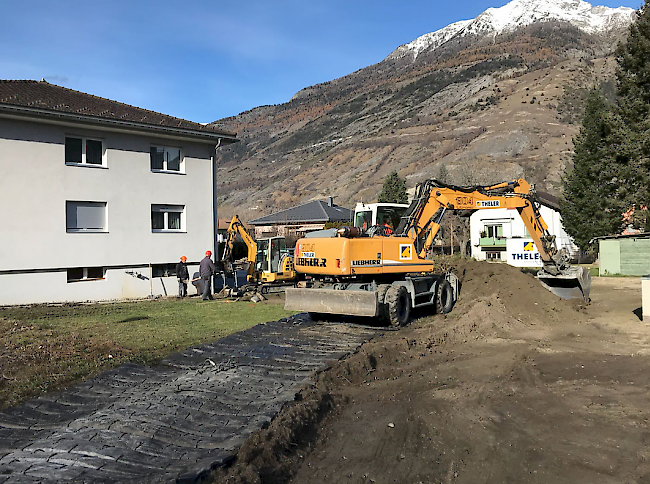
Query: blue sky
x=205, y=60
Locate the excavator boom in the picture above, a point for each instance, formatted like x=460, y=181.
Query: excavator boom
x=433, y=199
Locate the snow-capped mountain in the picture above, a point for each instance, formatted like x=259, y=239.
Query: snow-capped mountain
x=520, y=13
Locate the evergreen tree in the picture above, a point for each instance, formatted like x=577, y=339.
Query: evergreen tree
x=633, y=109
x=610, y=176
x=393, y=190
x=589, y=207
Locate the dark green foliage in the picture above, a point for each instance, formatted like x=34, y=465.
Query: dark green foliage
x=633, y=136
x=589, y=208
x=611, y=165
x=394, y=189
x=337, y=224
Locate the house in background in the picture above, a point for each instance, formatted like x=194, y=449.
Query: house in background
x=99, y=199
x=500, y=235
x=301, y=219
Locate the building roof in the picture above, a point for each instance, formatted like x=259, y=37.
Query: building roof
x=549, y=200
x=640, y=235
x=315, y=211
x=40, y=99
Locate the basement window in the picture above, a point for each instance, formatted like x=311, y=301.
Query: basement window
x=493, y=256
x=78, y=274
x=163, y=270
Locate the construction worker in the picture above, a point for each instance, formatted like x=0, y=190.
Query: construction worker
x=387, y=229
x=206, y=269
x=183, y=275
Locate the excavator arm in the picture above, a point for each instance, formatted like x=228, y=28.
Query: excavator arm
x=235, y=228
x=423, y=218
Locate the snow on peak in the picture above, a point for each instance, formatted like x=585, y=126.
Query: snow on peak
x=519, y=13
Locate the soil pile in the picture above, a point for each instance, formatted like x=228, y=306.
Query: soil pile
x=515, y=385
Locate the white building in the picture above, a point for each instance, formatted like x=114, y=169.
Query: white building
x=99, y=199
x=500, y=234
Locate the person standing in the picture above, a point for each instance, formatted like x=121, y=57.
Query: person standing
x=206, y=269
x=183, y=275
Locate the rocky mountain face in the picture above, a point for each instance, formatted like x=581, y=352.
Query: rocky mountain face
x=480, y=101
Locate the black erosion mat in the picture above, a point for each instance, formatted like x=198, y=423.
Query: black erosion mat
x=175, y=422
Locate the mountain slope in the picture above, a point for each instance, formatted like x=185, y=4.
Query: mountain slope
x=473, y=108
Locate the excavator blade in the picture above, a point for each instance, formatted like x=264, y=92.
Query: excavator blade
x=353, y=303
x=574, y=282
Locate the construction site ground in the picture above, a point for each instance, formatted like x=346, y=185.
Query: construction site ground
x=514, y=386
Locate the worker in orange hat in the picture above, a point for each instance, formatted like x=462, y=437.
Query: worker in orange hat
x=206, y=270
x=183, y=276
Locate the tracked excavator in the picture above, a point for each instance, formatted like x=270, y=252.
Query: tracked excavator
x=370, y=273
x=269, y=264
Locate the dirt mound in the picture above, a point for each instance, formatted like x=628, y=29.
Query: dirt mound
x=514, y=385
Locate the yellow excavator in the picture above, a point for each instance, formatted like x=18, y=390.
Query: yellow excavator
x=370, y=273
x=269, y=262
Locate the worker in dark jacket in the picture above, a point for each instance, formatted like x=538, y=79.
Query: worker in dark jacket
x=206, y=269
x=183, y=276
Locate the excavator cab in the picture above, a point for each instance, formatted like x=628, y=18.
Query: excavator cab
x=367, y=215
x=269, y=254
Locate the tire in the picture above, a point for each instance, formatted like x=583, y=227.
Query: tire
x=399, y=305
x=381, y=302
x=444, y=297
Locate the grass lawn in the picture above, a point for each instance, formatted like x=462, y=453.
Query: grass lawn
x=46, y=347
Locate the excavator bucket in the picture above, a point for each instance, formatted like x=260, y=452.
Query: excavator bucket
x=574, y=282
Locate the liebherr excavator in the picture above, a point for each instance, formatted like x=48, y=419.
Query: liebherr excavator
x=369, y=273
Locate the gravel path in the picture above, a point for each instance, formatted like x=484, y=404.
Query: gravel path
x=172, y=423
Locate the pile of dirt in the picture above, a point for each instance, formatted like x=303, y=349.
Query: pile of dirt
x=514, y=385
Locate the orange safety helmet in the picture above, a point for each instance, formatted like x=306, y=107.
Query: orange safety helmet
x=183, y=258
x=208, y=253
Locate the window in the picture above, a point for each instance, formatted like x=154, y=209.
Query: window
x=167, y=218
x=85, y=274
x=85, y=216
x=163, y=270
x=166, y=159
x=494, y=231
x=83, y=151
x=493, y=255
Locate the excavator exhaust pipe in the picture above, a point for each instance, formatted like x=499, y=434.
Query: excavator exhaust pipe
x=574, y=282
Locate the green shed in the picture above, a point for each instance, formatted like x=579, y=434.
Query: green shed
x=626, y=255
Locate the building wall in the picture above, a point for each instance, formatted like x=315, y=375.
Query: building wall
x=35, y=248
x=513, y=227
x=624, y=256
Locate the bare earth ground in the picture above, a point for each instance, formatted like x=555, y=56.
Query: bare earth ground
x=514, y=386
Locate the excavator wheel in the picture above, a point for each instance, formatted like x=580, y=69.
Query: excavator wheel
x=399, y=305
x=382, y=313
x=444, y=297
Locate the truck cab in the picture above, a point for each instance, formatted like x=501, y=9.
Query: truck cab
x=368, y=214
